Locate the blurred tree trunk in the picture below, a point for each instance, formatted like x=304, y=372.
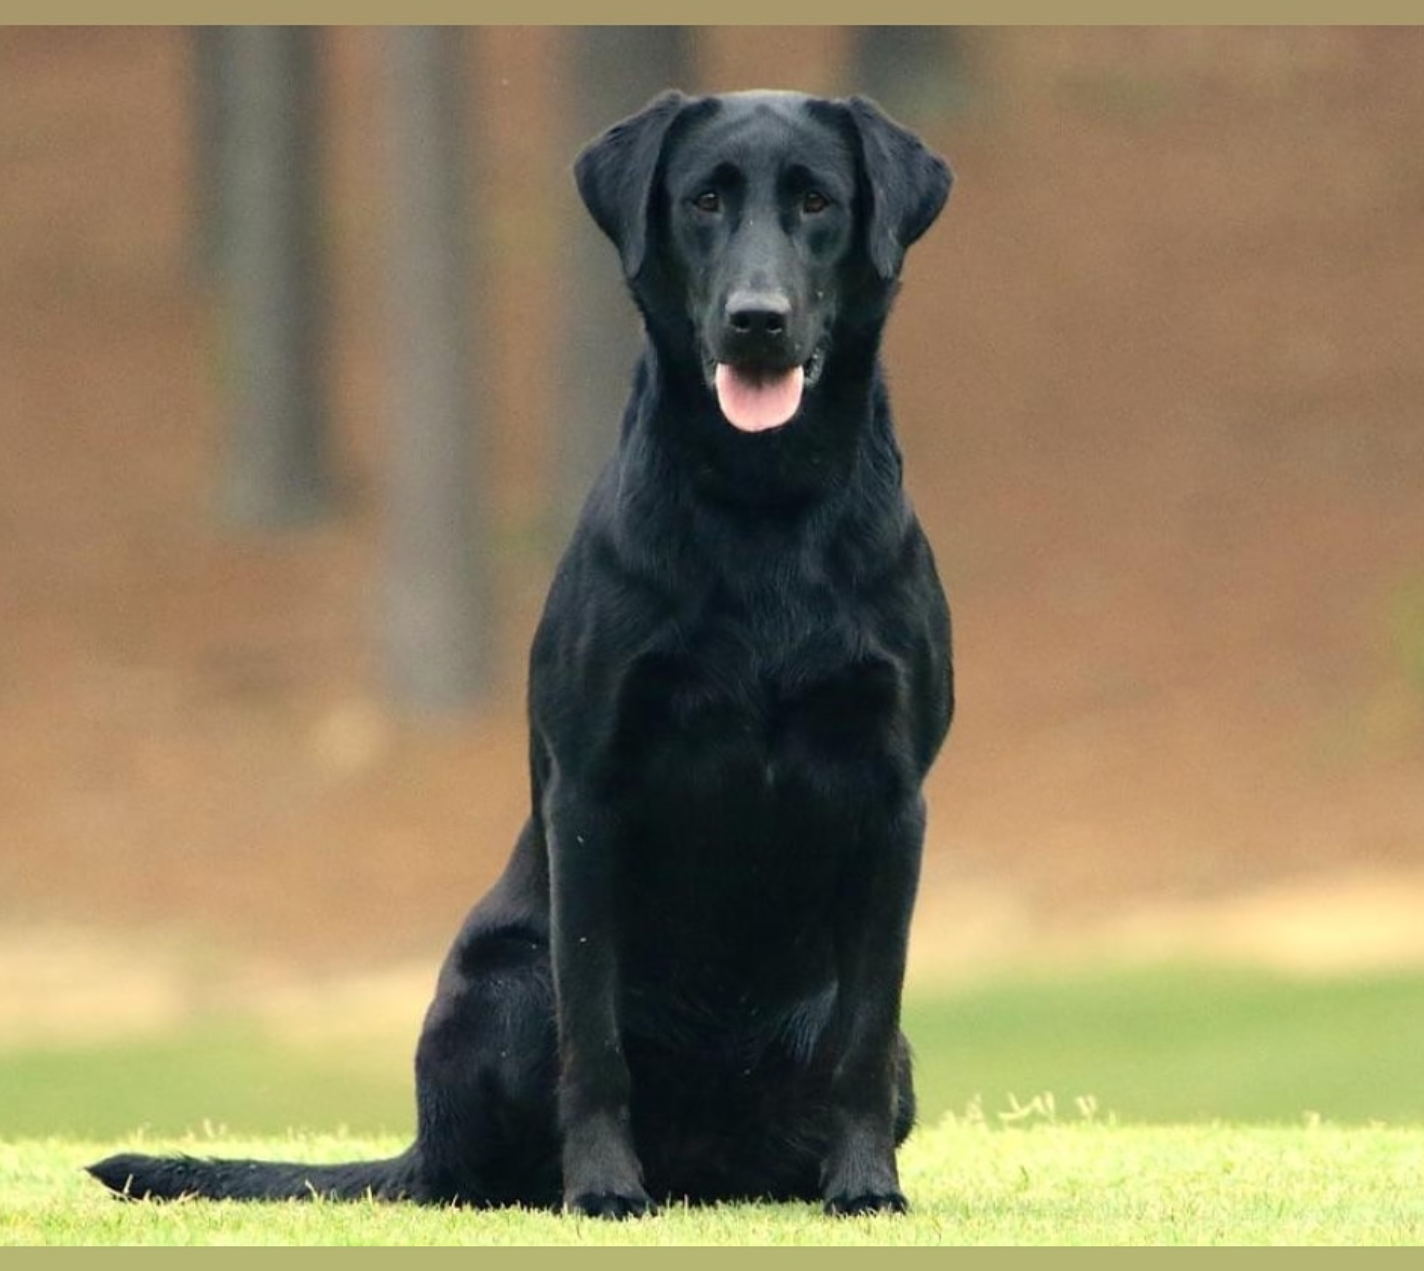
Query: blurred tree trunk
x=209, y=128
x=436, y=589
x=915, y=72
x=614, y=71
x=262, y=123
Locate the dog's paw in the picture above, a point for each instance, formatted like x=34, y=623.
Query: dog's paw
x=845, y=1206
x=614, y=1205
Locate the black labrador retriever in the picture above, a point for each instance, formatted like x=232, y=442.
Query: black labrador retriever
x=686, y=983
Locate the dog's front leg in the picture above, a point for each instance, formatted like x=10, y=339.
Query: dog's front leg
x=872, y=935
x=602, y=1174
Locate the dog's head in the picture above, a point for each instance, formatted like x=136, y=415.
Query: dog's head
x=752, y=226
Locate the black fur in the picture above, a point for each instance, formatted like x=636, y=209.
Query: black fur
x=686, y=984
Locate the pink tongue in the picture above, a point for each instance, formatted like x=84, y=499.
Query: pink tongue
x=757, y=400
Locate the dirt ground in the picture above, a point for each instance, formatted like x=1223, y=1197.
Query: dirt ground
x=1159, y=373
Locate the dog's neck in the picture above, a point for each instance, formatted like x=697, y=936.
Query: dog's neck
x=685, y=481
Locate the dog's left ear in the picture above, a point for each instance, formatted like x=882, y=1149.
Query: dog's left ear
x=615, y=175
x=907, y=184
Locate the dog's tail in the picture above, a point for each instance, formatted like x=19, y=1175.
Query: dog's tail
x=139, y=1177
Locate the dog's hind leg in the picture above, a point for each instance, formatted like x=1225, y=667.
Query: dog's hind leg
x=486, y=1075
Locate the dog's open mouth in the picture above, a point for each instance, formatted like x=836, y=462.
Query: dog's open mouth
x=757, y=398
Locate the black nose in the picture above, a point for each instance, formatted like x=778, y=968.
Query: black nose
x=758, y=317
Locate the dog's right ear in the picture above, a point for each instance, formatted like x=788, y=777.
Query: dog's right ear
x=615, y=175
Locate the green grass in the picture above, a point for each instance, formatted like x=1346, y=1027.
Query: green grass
x=1188, y=1106
x=971, y=1182
x=1172, y=1045
x=1160, y=1046
x=241, y=1078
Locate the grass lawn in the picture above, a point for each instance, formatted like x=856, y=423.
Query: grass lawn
x=1042, y=1182
x=1152, y=1046
x=1151, y=1106
x=1173, y=1045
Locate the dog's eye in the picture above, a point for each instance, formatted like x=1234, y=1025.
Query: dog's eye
x=708, y=201
x=813, y=201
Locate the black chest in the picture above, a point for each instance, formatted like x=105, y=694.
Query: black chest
x=747, y=770
x=775, y=711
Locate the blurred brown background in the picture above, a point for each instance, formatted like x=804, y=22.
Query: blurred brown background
x=1159, y=374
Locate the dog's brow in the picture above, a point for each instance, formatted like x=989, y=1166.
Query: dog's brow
x=720, y=173
x=825, y=177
